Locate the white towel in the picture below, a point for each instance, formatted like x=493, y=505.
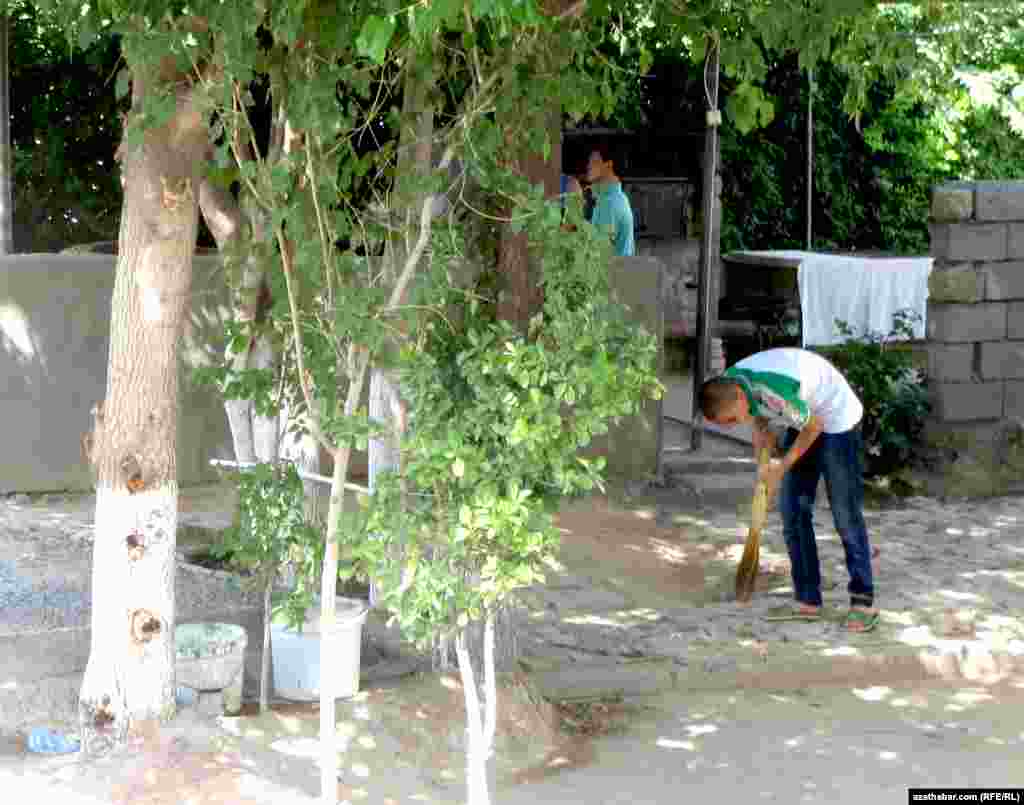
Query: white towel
x=865, y=292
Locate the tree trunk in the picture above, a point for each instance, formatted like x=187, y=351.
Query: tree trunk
x=522, y=296
x=414, y=161
x=481, y=721
x=255, y=437
x=130, y=673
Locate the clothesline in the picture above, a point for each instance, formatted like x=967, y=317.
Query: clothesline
x=864, y=292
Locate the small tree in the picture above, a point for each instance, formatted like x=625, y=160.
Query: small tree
x=271, y=531
x=498, y=421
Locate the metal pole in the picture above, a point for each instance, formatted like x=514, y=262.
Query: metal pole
x=707, y=302
x=305, y=476
x=6, y=166
x=810, y=156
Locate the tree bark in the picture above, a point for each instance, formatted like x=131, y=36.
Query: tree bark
x=522, y=296
x=255, y=437
x=130, y=673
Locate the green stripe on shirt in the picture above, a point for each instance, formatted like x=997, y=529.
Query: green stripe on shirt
x=772, y=396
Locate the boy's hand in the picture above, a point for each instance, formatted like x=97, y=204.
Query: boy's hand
x=771, y=474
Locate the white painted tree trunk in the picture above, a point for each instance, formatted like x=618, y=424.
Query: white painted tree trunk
x=129, y=677
x=303, y=450
x=481, y=721
x=385, y=453
x=126, y=680
x=385, y=407
x=255, y=437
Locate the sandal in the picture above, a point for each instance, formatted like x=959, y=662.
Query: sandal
x=866, y=621
x=791, y=614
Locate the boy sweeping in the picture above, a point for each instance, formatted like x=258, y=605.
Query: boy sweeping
x=805, y=393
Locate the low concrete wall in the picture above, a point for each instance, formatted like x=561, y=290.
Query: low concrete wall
x=54, y=340
x=633, y=447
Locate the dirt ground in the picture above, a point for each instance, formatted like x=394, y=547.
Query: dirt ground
x=650, y=562
x=404, y=741
x=421, y=718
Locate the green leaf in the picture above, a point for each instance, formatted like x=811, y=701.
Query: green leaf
x=750, y=108
x=374, y=38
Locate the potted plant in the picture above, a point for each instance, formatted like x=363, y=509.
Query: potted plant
x=272, y=534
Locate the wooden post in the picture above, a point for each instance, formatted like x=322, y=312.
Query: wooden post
x=6, y=163
x=707, y=287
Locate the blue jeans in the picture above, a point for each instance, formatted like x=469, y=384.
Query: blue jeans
x=837, y=456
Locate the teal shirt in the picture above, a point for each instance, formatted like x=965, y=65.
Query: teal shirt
x=614, y=214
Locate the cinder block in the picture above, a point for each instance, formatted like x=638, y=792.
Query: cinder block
x=1015, y=241
x=1015, y=400
x=999, y=201
x=971, y=241
x=1003, y=360
x=1004, y=280
x=1015, y=321
x=939, y=241
x=956, y=282
x=951, y=362
x=967, y=402
x=953, y=202
x=963, y=323
x=964, y=436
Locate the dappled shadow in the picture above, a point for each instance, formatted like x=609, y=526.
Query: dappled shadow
x=406, y=743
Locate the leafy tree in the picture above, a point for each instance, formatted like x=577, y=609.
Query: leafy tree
x=473, y=493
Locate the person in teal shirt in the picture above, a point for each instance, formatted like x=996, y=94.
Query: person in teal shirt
x=612, y=210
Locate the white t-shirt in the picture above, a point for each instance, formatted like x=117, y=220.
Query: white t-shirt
x=787, y=386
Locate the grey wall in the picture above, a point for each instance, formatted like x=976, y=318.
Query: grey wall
x=54, y=339
x=633, y=447
x=976, y=328
x=976, y=301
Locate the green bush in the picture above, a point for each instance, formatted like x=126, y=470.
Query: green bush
x=891, y=388
x=272, y=530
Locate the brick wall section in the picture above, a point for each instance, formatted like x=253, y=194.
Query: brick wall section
x=976, y=302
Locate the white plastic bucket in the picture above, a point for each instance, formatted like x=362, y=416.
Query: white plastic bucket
x=296, y=655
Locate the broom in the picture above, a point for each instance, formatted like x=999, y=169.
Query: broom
x=746, y=573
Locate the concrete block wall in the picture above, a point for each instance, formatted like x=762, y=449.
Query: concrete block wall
x=976, y=300
x=976, y=310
